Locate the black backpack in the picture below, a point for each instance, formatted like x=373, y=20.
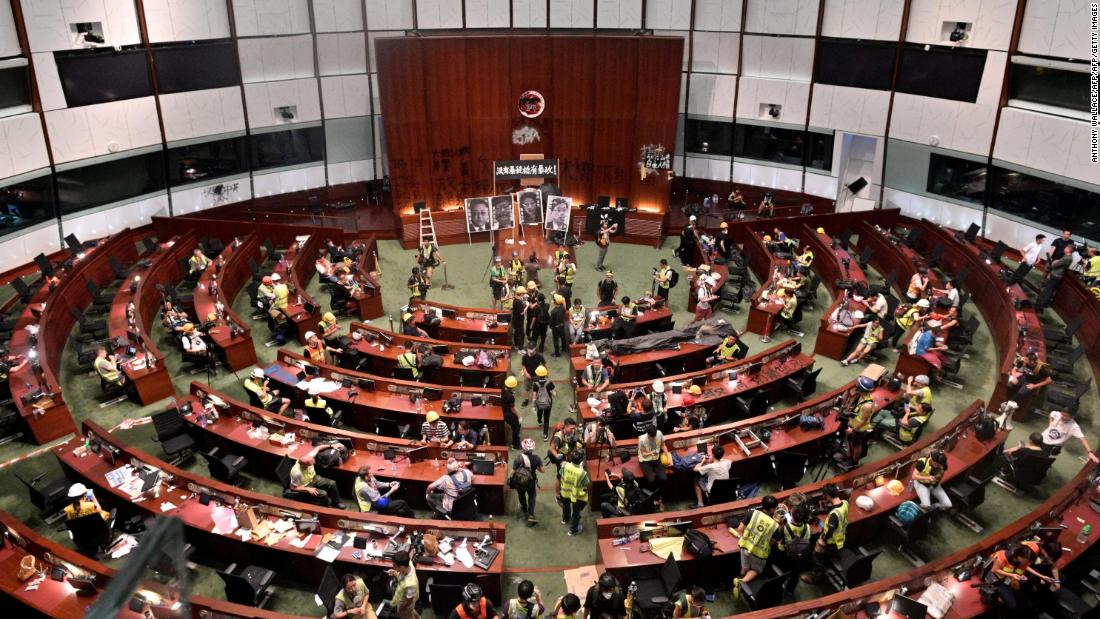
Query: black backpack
x=521, y=477
x=673, y=278
x=985, y=428
x=698, y=544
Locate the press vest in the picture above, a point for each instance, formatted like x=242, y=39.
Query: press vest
x=837, y=537
x=862, y=420
x=726, y=353
x=806, y=258
x=364, y=503
x=757, y=536
x=258, y=389
x=405, y=582
x=407, y=360
x=907, y=434
x=906, y=320
x=924, y=465
x=460, y=610
x=666, y=275
x=574, y=483
x=102, y=367
x=792, y=532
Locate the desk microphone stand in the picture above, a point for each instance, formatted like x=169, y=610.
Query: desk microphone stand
x=447, y=285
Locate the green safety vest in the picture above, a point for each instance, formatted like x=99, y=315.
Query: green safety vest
x=757, y=536
x=792, y=532
x=405, y=582
x=360, y=591
x=841, y=533
x=665, y=275
x=906, y=320
x=569, y=273
x=364, y=503
x=107, y=375
x=862, y=422
x=258, y=389
x=498, y=273
x=726, y=353
x=407, y=360
x=574, y=483
x=307, y=473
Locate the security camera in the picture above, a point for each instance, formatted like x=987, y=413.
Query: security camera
x=958, y=35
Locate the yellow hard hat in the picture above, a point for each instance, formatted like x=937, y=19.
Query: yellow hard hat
x=724, y=225
x=532, y=285
x=433, y=416
x=541, y=371
x=211, y=317
x=767, y=238
x=820, y=230
x=695, y=390
x=511, y=382
x=188, y=327
x=880, y=481
x=329, y=317
x=895, y=487
x=406, y=317
x=560, y=300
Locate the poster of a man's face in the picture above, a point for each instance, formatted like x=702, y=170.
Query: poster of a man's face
x=530, y=207
x=477, y=214
x=557, y=213
x=503, y=217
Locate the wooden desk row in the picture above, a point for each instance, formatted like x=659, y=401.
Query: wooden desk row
x=296, y=269
x=47, y=416
x=146, y=370
x=833, y=264
x=749, y=459
x=231, y=432
x=184, y=491
x=389, y=398
x=382, y=348
x=963, y=449
x=775, y=367
x=219, y=285
x=368, y=302
x=642, y=366
x=762, y=313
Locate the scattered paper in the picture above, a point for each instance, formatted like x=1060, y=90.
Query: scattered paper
x=327, y=553
x=283, y=525
x=167, y=506
x=301, y=541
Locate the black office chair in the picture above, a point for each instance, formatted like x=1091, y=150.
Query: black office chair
x=22, y=289
x=865, y=257
x=403, y=374
x=656, y=588
x=473, y=378
x=723, y=491
x=1065, y=335
x=443, y=598
x=752, y=405
x=171, y=433
x=1063, y=364
x=808, y=298
x=339, y=298
x=850, y=568
x=909, y=533
x=112, y=392
x=251, y=586
x=623, y=429
x=93, y=327
x=1068, y=399
x=117, y=268
x=49, y=496
x=789, y=467
x=764, y=592
x=99, y=297
x=224, y=468
x=465, y=506
x=969, y=492
x=282, y=472
x=1028, y=471
x=90, y=534
x=390, y=428
x=85, y=355
x=803, y=384
x=935, y=255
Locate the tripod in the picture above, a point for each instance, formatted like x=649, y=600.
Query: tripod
x=447, y=285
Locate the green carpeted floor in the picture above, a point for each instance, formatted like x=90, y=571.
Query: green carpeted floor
x=540, y=553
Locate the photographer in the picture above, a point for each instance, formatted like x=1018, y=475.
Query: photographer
x=711, y=469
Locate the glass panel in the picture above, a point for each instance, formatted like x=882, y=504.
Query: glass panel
x=857, y=64
x=15, y=87
x=961, y=179
x=26, y=203
x=768, y=144
x=1046, y=202
x=207, y=161
x=111, y=181
x=176, y=64
x=819, y=150
x=287, y=148
x=708, y=137
x=1066, y=89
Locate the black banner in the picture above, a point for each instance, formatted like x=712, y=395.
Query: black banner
x=531, y=168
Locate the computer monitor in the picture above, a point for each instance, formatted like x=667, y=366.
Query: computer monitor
x=343, y=440
x=972, y=233
x=482, y=467
x=699, y=380
x=504, y=319
x=418, y=454
x=309, y=307
x=432, y=394
x=73, y=243
x=365, y=384
x=44, y=265
x=83, y=585
x=908, y=607
x=149, y=480
x=997, y=251
x=449, y=313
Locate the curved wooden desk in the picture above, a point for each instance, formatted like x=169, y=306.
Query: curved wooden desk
x=220, y=283
x=749, y=459
x=184, y=493
x=231, y=432
x=388, y=398
x=775, y=367
x=833, y=264
x=296, y=269
x=648, y=320
x=383, y=347
x=963, y=449
x=642, y=366
x=475, y=325
x=146, y=370
x=46, y=415
x=763, y=264
x=368, y=301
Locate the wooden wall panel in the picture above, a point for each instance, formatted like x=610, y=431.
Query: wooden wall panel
x=450, y=109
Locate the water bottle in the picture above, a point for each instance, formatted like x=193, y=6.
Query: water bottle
x=1083, y=536
x=619, y=541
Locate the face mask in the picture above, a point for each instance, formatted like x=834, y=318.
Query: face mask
x=607, y=595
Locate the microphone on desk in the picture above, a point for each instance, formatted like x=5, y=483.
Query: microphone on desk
x=484, y=542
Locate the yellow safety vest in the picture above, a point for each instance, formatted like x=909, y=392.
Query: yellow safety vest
x=924, y=465
x=265, y=291
x=629, y=311
x=360, y=591
x=574, y=483
x=569, y=273
x=407, y=360
x=516, y=266
x=308, y=473
x=85, y=508
x=1092, y=267
x=789, y=306
x=906, y=320
x=364, y=503
x=198, y=263
x=757, y=536
x=874, y=337
x=405, y=582
x=665, y=280
x=101, y=367
x=862, y=421
x=324, y=325
x=923, y=397
x=727, y=353
x=258, y=389
x=841, y=533
x=806, y=258
x=792, y=532
x=907, y=434
x=565, y=444
x=282, y=296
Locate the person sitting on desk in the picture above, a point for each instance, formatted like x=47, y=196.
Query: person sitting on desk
x=353, y=600
x=443, y=491
x=625, y=323
x=197, y=263
x=785, y=318
x=374, y=495
x=434, y=431
x=625, y=495
x=325, y=269
x=107, y=367
x=806, y=258
x=269, y=398
x=726, y=352
x=756, y=536
x=82, y=502
x=316, y=350
x=465, y=436
x=872, y=335
x=304, y=478
x=595, y=376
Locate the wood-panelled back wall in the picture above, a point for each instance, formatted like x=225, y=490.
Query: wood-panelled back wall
x=450, y=106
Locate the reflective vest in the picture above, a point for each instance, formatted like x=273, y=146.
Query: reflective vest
x=915, y=288
x=427, y=254
x=1092, y=267
x=308, y=473
x=837, y=537
x=324, y=326
x=577, y=315
x=925, y=466
x=757, y=537
x=872, y=337
x=621, y=500
x=282, y=296
x=592, y=375
x=316, y=353
x=907, y=319
x=364, y=503
x=498, y=273
x=258, y=388
x=574, y=483
x=792, y=532
x=1002, y=557
x=460, y=610
x=687, y=609
x=407, y=360
x=559, y=255
x=408, y=581
x=265, y=291
x=863, y=414
x=789, y=305
x=665, y=278
x=516, y=266
x=923, y=396
x=727, y=353
x=907, y=434
x=806, y=258
x=102, y=367
x=566, y=443
x=629, y=311
x=517, y=610
x=360, y=592
x=198, y=263
x=569, y=272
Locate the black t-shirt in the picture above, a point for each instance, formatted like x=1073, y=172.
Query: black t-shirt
x=607, y=290
x=532, y=362
x=508, y=401
x=597, y=605
x=536, y=464
x=557, y=316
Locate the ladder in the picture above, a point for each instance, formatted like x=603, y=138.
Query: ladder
x=427, y=226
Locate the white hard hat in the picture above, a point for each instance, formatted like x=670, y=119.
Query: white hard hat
x=658, y=386
x=922, y=303
x=257, y=373
x=310, y=334
x=692, y=218
x=77, y=490
x=275, y=277
x=593, y=401
x=865, y=503
x=858, y=315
